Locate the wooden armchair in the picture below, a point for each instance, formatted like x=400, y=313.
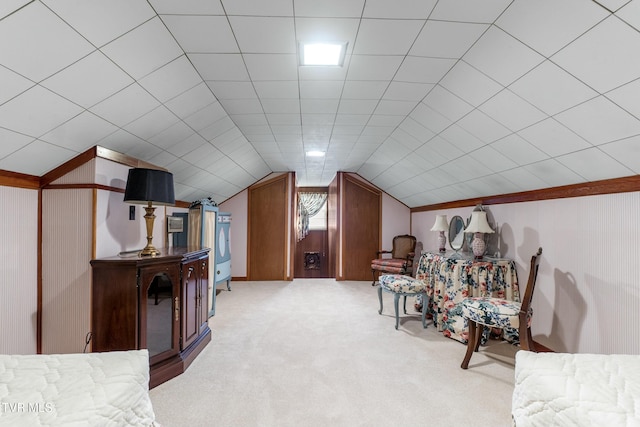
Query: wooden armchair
x=400, y=261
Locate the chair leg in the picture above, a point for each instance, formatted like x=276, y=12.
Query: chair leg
x=405, y=304
x=380, y=298
x=396, y=299
x=471, y=344
x=373, y=273
x=424, y=315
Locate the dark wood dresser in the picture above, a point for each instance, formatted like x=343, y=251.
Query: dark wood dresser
x=158, y=303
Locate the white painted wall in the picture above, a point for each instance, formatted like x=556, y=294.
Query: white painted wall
x=587, y=297
x=396, y=220
x=238, y=206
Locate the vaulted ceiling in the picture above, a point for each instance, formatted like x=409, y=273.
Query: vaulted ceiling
x=436, y=101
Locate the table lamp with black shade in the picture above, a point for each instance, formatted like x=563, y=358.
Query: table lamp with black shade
x=149, y=187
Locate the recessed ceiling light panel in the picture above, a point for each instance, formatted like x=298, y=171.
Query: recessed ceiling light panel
x=322, y=54
x=315, y=153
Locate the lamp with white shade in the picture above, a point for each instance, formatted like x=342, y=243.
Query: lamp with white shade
x=441, y=225
x=478, y=225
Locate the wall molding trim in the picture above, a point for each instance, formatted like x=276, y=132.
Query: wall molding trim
x=606, y=186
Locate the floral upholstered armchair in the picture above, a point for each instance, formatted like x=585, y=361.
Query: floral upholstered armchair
x=400, y=260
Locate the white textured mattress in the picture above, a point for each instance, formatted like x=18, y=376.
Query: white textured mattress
x=558, y=389
x=92, y=389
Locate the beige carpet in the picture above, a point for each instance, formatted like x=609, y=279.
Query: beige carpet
x=317, y=353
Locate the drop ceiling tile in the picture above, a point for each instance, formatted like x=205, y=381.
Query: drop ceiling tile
x=552, y=89
x=12, y=84
x=36, y=158
x=357, y=89
x=470, y=84
x=553, y=173
x=187, y=145
x=612, y=5
x=152, y=123
x=250, y=7
x=373, y=67
x=400, y=9
x=461, y=139
x=88, y=81
x=483, y=127
x=431, y=157
x=284, y=119
x=80, y=133
x=627, y=97
x=52, y=110
x=351, y=130
x=321, y=89
x=512, y=111
x=386, y=36
x=277, y=89
x=416, y=130
x=163, y=159
x=351, y=119
x=519, y=150
x=464, y=168
x=430, y=118
x=47, y=44
x=593, y=164
x=329, y=8
x=552, y=138
x=202, y=33
x=417, y=69
x=249, y=119
x=397, y=108
x=605, y=57
x=492, y=160
x=385, y=120
x=324, y=73
x=446, y=39
x=271, y=67
x=327, y=29
x=442, y=149
x=172, y=135
x=12, y=141
x=119, y=141
x=232, y=90
x=171, y=80
x=101, y=22
x=319, y=106
x=406, y=139
x=562, y=22
x=490, y=185
x=357, y=106
x=447, y=104
x=523, y=179
x=625, y=151
x=403, y=91
x=144, y=49
x=220, y=66
x=189, y=102
x=502, y=57
x=188, y=7
x=281, y=106
x=264, y=34
x=241, y=106
x=206, y=116
x=125, y=106
x=599, y=121
x=631, y=14
x=9, y=6
x=470, y=10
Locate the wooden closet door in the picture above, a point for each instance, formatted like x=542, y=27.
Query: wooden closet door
x=267, y=230
x=361, y=229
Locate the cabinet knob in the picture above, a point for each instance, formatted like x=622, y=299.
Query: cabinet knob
x=218, y=272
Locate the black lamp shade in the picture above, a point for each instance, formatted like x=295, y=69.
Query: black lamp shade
x=149, y=185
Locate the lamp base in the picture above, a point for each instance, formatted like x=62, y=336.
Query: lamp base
x=149, y=250
x=442, y=242
x=478, y=246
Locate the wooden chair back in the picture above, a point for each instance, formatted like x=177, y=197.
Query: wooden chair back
x=526, y=342
x=403, y=245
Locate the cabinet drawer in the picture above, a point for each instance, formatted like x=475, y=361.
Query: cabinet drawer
x=223, y=271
